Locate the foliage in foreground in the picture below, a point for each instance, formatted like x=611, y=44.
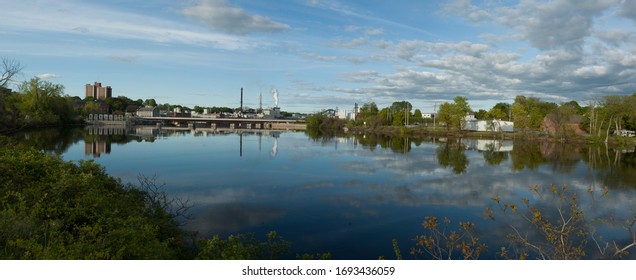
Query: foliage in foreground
x=553, y=226
x=243, y=247
x=53, y=209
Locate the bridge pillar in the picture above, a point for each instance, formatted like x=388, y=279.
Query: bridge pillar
x=191, y=125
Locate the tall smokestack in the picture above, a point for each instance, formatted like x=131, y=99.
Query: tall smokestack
x=241, y=100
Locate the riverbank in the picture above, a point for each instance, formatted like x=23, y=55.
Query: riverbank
x=425, y=132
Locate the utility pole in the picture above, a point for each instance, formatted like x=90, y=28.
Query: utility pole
x=406, y=116
x=434, y=114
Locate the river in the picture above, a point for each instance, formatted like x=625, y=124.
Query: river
x=351, y=196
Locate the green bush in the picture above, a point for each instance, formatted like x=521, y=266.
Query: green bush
x=52, y=209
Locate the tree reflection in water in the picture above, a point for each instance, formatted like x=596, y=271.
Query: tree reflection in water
x=451, y=154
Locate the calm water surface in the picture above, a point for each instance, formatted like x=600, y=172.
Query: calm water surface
x=348, y=196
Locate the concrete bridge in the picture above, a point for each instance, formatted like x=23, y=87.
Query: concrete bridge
x=232, y=123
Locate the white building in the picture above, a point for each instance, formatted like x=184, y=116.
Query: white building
x=148, y=111
x=342, y=114
x=346, y=115
x=489, y=125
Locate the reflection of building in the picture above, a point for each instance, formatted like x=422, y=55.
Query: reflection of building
x=98, y=92
x=105, y=130
x=147, y=131
x=96, y=148
x=488, y=145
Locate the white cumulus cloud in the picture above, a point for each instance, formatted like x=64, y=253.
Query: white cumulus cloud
x=48, y=76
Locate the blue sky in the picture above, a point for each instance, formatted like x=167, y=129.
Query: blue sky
x=323, y=54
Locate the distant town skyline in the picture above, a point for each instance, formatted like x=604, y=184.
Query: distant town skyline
x=321, y=54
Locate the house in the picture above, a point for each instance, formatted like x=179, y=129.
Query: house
x=148, y=112
x=570, y=125
x=470, y=116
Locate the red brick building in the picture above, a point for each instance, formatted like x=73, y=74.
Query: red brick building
x=98, y=92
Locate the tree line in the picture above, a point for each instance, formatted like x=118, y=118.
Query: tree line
x=598, y=118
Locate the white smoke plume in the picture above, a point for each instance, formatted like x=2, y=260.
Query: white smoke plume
x=275, y=95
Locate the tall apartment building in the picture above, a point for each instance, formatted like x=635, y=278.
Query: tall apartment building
x=98, y=92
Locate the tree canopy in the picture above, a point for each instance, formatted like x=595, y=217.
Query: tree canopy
x=454, y=114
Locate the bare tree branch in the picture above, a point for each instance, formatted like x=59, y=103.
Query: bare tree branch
x=159, y=200
x=9, y=69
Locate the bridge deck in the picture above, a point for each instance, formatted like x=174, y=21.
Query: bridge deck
x=184, y=119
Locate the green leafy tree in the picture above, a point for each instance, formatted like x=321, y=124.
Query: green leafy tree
x=482, y=115
x=384, y=117
x=445, y=115
x=42, y=103
x=150, y=102
x=505, y=108
x=91, y=108
x=417, y=117
x=528, y=113
x=497, y=114
x=454, y=114
x=164, y=107
x=368, y=111
x=198, y=109
x=401, y=106
x=399, y=119
x=520, y=117
x=575, y=105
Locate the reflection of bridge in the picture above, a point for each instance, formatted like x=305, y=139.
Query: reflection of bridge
x=226, y=123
